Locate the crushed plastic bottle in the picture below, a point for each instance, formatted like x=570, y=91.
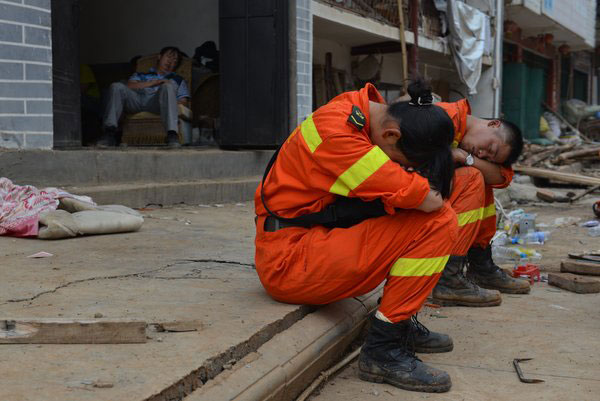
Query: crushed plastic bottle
x=534, y=237
x=500, y=238
x=514, y=253
x=594, y=231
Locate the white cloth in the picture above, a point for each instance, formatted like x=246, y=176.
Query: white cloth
x=470, y=38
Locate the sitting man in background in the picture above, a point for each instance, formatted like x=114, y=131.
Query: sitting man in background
x=157, y=91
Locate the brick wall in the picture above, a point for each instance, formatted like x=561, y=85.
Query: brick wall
x=304, y=44
x=25, y=74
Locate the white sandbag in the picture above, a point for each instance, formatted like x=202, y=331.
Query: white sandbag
x=73, y=205
x=105, y=222
x=57, y=224
x=119, y=209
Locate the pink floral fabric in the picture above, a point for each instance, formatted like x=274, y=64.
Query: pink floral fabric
x=20, y=207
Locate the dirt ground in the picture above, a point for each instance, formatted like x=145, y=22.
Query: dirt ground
x=558, y=329
x=187, y=263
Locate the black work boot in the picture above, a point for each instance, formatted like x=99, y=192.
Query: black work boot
x=385, y=357
x=454, y=289
x=482, y=270
x=429, y=342
x=110, y=138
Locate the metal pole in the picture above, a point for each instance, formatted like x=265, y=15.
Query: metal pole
x=498, y=57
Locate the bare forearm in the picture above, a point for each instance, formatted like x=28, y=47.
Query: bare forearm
x=491, y=172
x=184, y=101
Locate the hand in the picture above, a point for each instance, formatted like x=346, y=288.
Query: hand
x=156, y=82
x=433, y=201
x=459, y=155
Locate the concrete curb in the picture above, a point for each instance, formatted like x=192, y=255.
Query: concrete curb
x=285, y=365
x=226, y=190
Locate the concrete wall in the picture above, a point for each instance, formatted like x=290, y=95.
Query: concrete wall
x=578, y=16
x=117, y=30
x=482, y=104
x=304, y=59
x=25, y=74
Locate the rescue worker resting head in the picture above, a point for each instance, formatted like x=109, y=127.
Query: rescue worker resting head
x=345, y=205
x=490, y=146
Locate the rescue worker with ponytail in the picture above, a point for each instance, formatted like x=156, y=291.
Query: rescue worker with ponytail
x=361, y=193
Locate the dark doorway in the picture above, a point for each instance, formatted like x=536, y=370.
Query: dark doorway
x=254, y=73
x=65, y=73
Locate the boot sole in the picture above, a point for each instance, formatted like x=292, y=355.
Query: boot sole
x=438, y=350
x=509, y=290
x=370, y=377
x=442, y=302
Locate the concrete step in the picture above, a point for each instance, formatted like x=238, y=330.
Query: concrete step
x=90, y=167
x=224, y=190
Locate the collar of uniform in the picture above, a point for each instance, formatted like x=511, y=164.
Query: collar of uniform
x=366, y=94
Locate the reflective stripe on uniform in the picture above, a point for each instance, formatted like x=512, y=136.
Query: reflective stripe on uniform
x=472, y=216
x=359, y=171
x=489, y=211
x=411, y=267
x=310, y=134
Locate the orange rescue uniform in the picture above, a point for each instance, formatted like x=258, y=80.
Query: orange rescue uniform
x=327, y=156
x=485, y=217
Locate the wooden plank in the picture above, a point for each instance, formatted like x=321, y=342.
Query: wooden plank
x=580, y=267
x=557, y=175
x=549, y=196
x=67, y=331
x=574, y=283
x=577, y=153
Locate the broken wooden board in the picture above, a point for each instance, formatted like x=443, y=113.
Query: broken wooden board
x=574, y=283
x=580, y=267
x=68, y=331
x=550, y=196
x=557, y=175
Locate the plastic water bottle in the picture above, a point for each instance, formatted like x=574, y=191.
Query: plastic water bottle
x=594, y=231
x=507, y=253
x=514, y=253
x=534, y=237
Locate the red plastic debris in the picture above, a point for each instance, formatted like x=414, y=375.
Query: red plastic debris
x=529, y=270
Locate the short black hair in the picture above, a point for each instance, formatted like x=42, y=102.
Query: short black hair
x=514, y=139
x=174, y=49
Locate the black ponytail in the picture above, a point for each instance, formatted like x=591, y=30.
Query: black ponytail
x=427, y=133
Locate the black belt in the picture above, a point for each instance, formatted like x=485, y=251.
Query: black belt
x=273, y=224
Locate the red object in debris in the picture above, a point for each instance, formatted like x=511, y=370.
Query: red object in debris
x=596, y=208
x=529, y=270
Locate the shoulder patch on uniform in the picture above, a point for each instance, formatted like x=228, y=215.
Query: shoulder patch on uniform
x=357, y=118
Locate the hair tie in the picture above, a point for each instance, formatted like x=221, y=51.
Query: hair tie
x=422, y=101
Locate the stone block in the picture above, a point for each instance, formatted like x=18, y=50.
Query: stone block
x=38, y=72
x=11, y=33
x=574, y=283
x=26, y=89
x=24, y=53
x=39, y=106
x=38, y=141
x=25, y=15
x=11, y=71
x=38, y=36
x=12, y=107
x=26, y=123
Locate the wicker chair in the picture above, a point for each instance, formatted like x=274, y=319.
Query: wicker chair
x=146, y=128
